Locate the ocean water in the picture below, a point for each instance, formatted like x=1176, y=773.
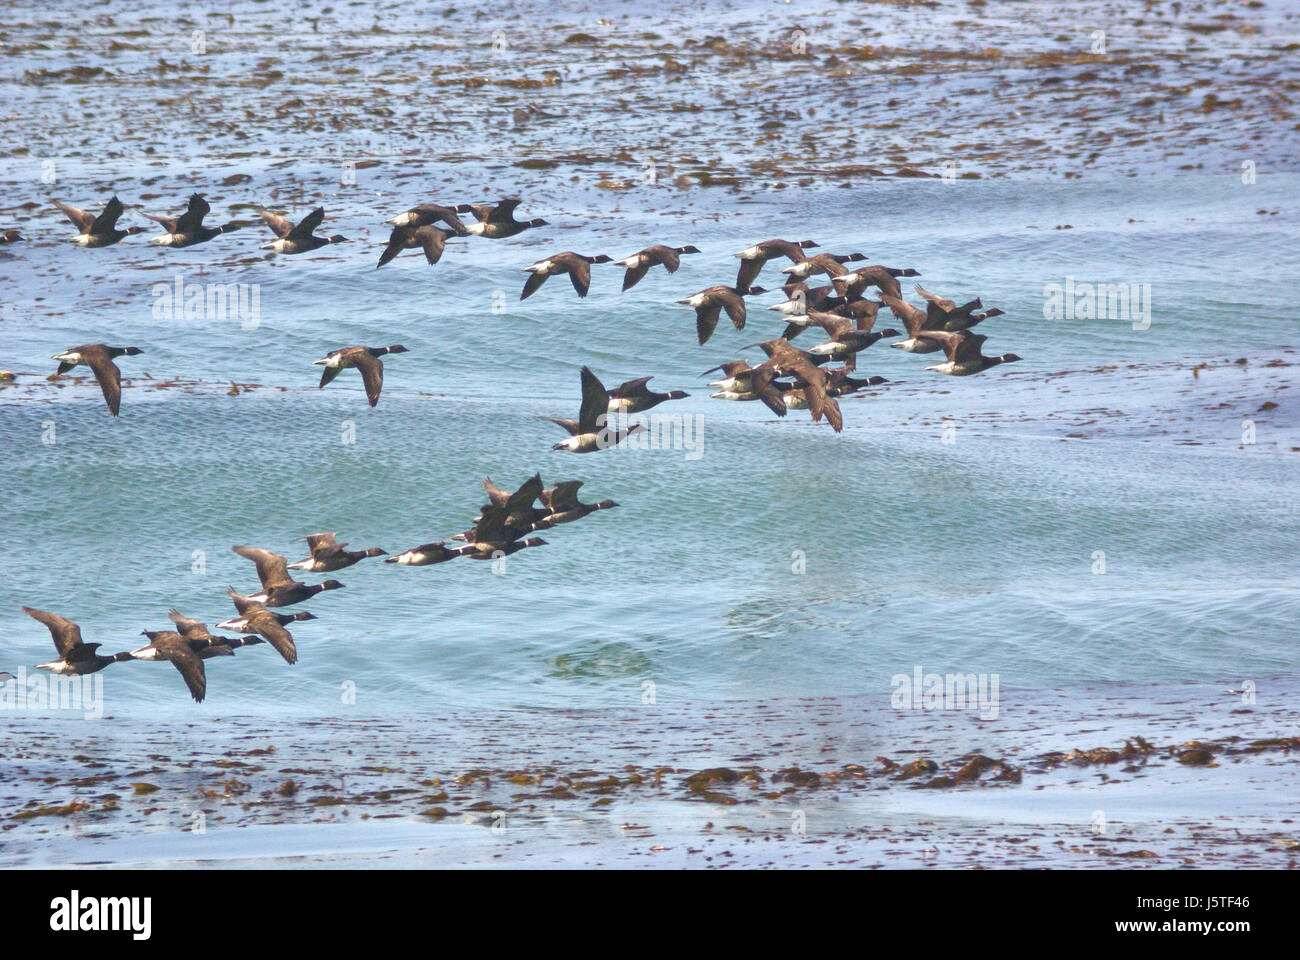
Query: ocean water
x=1119, y=507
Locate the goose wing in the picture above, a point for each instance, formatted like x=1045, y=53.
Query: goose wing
x=66, y=634
x=595, y=403
x=272, y=569
x=372, y=374
x=81, y=219
x=108, y=375
x=307, y=225
x=279, y=225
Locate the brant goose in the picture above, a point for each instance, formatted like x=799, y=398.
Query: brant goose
x=75, y=657
x=6, y=677
x=97, y=231
x=710, y=302
x=838, y=384
x=99, y=358
x=196, y=631
x=424, y=554
x=183, y=654
x=562, y=503
x=914, y=321
x=743, y=383
x=963, y=350
x=327, y=554
x=256, y=618
x=11, y=236
x=944, y=314
x=861, y=311
x=846, y=337
x=492, y=537
x=427, y=214
x=299, y=238
x=575, y=265
x=789, y=360
x=278, y=588
x=242, y=624
x=827, y=263
x=431, y=239
x=639, y=264
x=634, y=396
x=589, y=433
x=852, y=284
x=496, y=222
x=753, y=258
x=364, y=359
x=802, y=298
x=520, y=515
x=188, y=229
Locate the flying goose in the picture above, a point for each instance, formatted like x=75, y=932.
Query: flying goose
x=365, y=360
x=249, y=625
x=99, y=357
x=427, y=214
x=846, y=337
x=635, y=396
x=327, y=554
x=944, y=314
x=11, y=235
x=838, y=384
x=188, y=229
x=743, y=383
x=75, y=658
x=298, y=238
x=588, y=433
x=254, y=617
x=97, y=231
x=753, y=258
x=963, y=351
x=519, y=517
x=710, y=302
x=575, y=265
x=183, y=654
x=828, y=263
x=639, y=264
x=563, y=505
x=425, y=554
x=800, y=298
x=496, y=222
x=789, y=360
x=430, y=239
x=278, y=588
x=491, y=537
x=197, y=632
x=853, y=283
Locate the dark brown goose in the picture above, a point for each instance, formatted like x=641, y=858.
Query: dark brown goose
x=753, y=258
x=846, y=337
x=97, y=231
x=854, y=283
x=182, y=653
x=639, y=264
x=496, y=222
x=428, y=214
x=563, y=505
x=256, y=618
x=745, y=383
x=963, y=351
x=99, y=357
x=709, y=304
x=791, y=361
x=838, y=384
x=801, y=298
x=520, y=515
x=327, y=554
x=827, y=263
x=75, y=658
x=425, y=554
x=588, y=433
x=249, y=628
x=188, y=229
x=12, y=236
x=493, y=534
x=575, y=265
x=635, y=396
x=944, y=314
x=197, y=632
x=278, y=588
x=297, y=238
x=431, y=240
x=365, y=360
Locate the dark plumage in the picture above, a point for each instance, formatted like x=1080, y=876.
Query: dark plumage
x=99, y=357
x=365, y=360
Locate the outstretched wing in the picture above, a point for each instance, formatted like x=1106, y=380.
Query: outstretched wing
x=272, y=569
x=66, y=634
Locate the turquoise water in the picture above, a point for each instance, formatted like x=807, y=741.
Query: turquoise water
x=976, y=556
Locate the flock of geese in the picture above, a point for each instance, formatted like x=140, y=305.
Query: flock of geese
x=789, y=378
